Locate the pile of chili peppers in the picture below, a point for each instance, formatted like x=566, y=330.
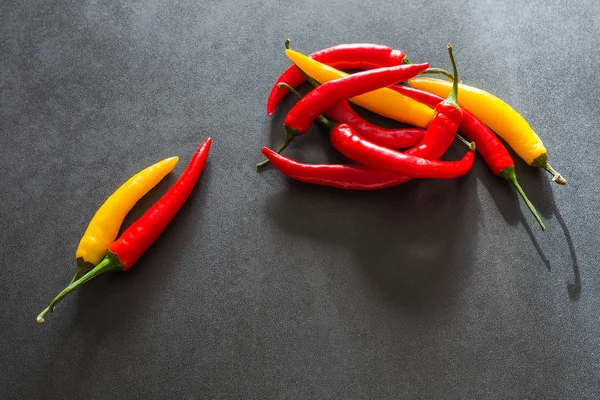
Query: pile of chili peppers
x=388, y=157
x=99, y=252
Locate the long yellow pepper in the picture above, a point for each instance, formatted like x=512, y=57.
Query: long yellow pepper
x=384, y=101
x=500, y=117
x=105, y=225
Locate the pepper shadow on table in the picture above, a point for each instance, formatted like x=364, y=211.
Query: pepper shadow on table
x=539, y=188
x=415, y=242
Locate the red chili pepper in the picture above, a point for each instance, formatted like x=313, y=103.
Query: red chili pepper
x=494, y=153
x=342, y=176
x=143, y=232
x=400, y=138
x=136, y=239
x=346, y=141
x=331, y=93
x=343, y=113
x=344, y=56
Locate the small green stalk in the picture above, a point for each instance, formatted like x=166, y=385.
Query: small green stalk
x=110, y=262
x=438, y=71
x=470, y=145
x=508, y=173
x=290, y=135
x=453, y=96
x=542, y=162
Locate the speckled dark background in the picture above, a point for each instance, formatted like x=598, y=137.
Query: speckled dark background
x=265, y=288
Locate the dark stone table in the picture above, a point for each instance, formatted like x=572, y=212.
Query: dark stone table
x=265, y=288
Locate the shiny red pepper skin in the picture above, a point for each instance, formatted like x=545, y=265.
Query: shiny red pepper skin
x=331, y=93
x=359, y=149
x=488, y=145
x=341, y=176
x=142, y=233
x=400, y=138
x=344, y=56
x=344, y=113
x=441, y=131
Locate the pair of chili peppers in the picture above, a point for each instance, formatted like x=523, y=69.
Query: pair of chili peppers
x=122, y=253
x=364, y=178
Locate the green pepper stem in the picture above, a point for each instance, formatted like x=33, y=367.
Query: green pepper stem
x=284, y=85
x=509, y=174
x=438, y=71
x=290, y=135
x=470, y=145
x=453, y=96
x=109, y=263
x=556, y=177
x=542, y=162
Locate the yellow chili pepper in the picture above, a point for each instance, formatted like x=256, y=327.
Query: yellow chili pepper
x=384, y=101
x=500, y=117
x=105, y=225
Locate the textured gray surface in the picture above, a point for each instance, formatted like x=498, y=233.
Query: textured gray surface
x=266, y=288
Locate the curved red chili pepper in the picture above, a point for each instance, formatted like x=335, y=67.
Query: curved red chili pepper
x=493, y=152
x=343, y=113
x=142, y=233
x=359, y=149
x=344, y=56
x=137, y=238
x=331, y=93
x=400, y=138
x=342, y=176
